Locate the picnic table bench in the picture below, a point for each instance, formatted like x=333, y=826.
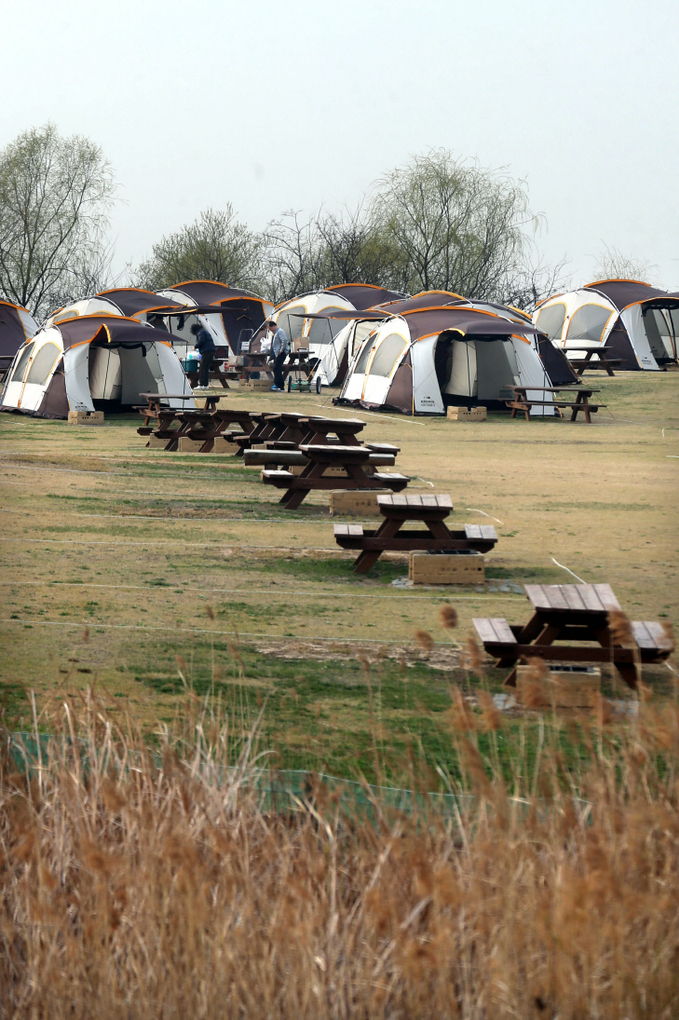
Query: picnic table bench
x=254, y=362
x=523, y=402
x=209, y=426
x=580, y=365
x=430, y=510
x=575, y=613
x=352, y=459
x=221, y=354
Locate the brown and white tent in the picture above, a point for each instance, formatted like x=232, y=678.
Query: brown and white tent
x=628, y=319
x=92, y=362
x=16, y=326
x=420, y=358
x=232, y=315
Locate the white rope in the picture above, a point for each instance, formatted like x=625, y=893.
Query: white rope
x=227, y=633
x=473, y=510
x=569, y=571
x=238, y=591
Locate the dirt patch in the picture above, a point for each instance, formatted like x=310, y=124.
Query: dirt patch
x=442, y=657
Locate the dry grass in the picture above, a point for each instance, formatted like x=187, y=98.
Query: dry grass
x=136, y=887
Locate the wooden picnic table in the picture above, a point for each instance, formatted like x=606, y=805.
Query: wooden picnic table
x=206, y=427
x=353, y=461
x=201, y=424
x=523, y=402
x=430, y=510
x=154, y=406
x=252, y=362
x=580, y=365
x=574, y=613
x=221, y=355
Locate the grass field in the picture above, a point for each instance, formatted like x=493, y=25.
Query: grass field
x=145, y=572
x=168, y=632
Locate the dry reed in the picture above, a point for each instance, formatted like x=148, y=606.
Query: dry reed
x=139, y=887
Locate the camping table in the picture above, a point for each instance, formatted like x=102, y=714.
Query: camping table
x=576, y=613
x=580, y=365
x=397, y=510
x=221, y=354
x=522, y=402
x=352, y=459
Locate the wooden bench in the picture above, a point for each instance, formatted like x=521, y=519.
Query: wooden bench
x=579, y=614
x=352, y=460
x=431, y=510
x=522, y=402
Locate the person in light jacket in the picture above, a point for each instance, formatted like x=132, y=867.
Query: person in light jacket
x=280, y=345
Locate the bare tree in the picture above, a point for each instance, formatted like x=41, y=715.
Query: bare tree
x=527, y=286
x=458, y=227
x=613, y=265
x=216, y=246
x=54, y=196
x=353, y=251
x=292, y=256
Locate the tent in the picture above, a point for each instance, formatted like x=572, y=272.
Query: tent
x=92, y=362
x=16, y=326
x=631, y=320
x=232, y=316
x=364, y=295
x=421, y=360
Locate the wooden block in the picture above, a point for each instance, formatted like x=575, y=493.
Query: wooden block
x=446, y=568
x=222, y=445
x=361, y=502
x=464, y=414
x=85, y=417
x=187, y=445
x=563, y=687
x=156, y=443
x=256, y=384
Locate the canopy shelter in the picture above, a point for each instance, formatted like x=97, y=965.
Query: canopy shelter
x=422, y=360
x=631, y=320
x=16, y=326
x=364, y=295
x=231, y=315
x=92, y=362
x=136, y=303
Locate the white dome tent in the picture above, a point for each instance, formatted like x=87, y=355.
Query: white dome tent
x=631, y=320
x=423, y=359
x=89, y=363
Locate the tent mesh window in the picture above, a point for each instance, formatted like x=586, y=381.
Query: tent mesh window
x=324, y=331
x=364, y=356
x=589, y=323
x=43, y=363
x=387, y=355
x=550, y=320
x=18, y=373
x=291, y=321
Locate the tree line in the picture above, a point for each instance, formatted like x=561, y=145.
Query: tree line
x=437, y=223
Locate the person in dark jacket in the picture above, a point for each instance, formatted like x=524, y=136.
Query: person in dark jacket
x=205, y=346
x=280, y=346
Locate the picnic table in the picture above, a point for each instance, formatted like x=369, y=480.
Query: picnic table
x=574, y=613
x=580, y=365
x=523, y=402
x=205, y=425
x=353, y=460
x=154, y=406
x=254, y=362
x=397, y=510
x=221, y=355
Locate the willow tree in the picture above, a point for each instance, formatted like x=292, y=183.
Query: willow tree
x=456, y=226
x=55, y=194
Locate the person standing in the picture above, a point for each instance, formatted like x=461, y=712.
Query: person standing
x=280, y=345
x=205, y=346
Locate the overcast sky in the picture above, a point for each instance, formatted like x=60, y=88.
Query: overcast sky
x=273, y=106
